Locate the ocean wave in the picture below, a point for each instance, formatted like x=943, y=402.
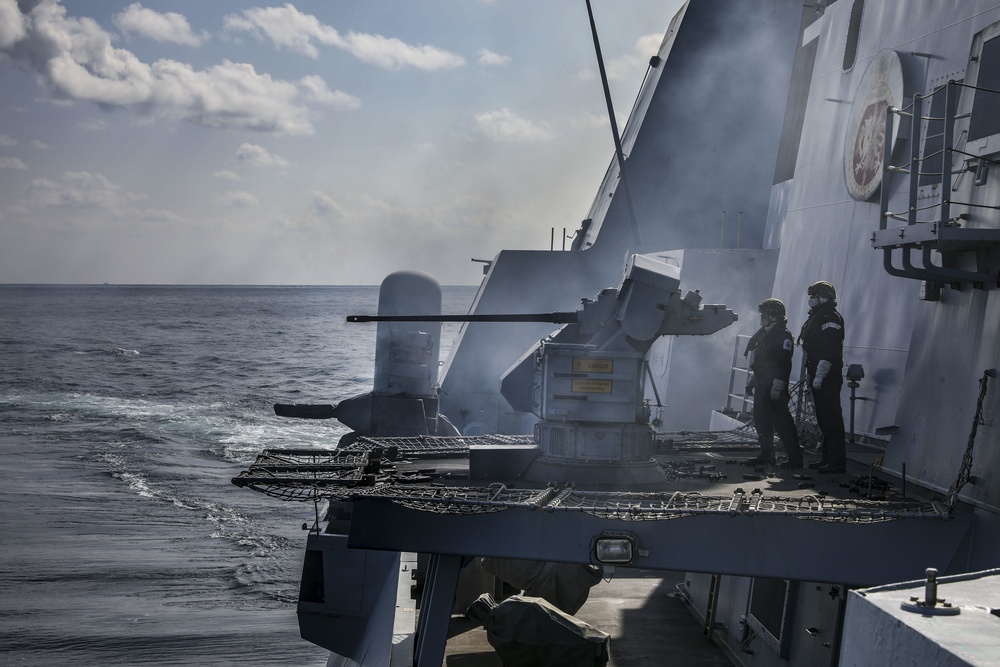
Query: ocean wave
x=137, y=483
x=224, y=521
x=134, y=440
x=249, y=438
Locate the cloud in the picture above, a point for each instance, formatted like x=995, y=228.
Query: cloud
x=39, y=145
x=225, y=174
x=11, y=163
x=489, y=58
x=6, y=140
x=622, y=67
x=258, y=156
x=392, y=53
x=154, y=215
x=93, y=124
x=76, y=189
x=237, y=199
x=166, y=27
x=315, y=88
x=74, y=58
x=324, y=206
x=12, y=24
x=505, y=125
x=77, y=192
x=288, y=28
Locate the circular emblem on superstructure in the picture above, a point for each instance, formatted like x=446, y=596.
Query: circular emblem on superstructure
x=881, y=86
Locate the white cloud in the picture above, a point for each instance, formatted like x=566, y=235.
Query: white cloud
x=288, y=28
x=165, y=27
x=93, y=124
x=324, y=206
x=589, y=120
x=6, y=140
x=505, y=125
x=237, y=199
x=77, y=192
x=76, y=189
x=75, y=59
x=227, y=175
x=39, y=145
x=154, y=215
x=258, y=156
x=391, y=53
x=315, y=88
x=12, y=27
x=488, y=58
x=11, y=163
x=623, y=67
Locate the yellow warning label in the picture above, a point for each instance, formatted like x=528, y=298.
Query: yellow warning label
x=593, y=365
x=581, y=385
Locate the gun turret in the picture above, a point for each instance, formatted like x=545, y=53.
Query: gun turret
x=585, y=381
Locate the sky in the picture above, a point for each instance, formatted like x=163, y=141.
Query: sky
x=308, y=143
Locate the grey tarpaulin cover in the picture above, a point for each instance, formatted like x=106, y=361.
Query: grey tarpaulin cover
x=566, y=585
x=527, y=632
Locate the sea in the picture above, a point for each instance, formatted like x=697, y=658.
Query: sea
x=125, y=411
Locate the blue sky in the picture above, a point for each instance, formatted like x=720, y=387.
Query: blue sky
x=302, y=143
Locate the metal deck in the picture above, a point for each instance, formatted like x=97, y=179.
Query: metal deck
x=712, y=512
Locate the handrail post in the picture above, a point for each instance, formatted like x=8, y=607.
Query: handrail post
x=915, y=161
x=886, y=159
x=946, y=155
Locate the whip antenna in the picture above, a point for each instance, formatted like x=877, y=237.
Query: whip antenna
x=623, y=174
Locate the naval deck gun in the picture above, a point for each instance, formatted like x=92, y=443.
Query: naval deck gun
x=585, y=381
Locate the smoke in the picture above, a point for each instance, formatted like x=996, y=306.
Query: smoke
x=709, y=139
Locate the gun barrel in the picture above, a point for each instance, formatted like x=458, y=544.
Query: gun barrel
x=305, y=410
x=556, y=318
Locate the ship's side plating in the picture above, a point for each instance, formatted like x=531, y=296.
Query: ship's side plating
x=927, y=340
x=924, y=344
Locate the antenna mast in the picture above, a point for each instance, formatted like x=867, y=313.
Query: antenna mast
x=623, y=174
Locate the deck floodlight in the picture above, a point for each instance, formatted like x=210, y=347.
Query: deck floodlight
x=614, y=548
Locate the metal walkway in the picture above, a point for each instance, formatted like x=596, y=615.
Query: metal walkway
x=710, y=513
x=374, y=468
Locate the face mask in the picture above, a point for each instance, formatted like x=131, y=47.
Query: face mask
x=764, y=320
x=813, y=302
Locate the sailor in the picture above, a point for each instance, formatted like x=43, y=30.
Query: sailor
x=822, y=340
x=770, y=354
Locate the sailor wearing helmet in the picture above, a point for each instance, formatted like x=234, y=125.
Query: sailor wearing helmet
x=770, y=354
x=822, y=339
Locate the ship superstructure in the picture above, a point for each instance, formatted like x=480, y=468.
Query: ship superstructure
x=852, y=141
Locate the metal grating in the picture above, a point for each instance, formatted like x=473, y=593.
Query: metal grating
x=432, y=446
x=625, y=506
x=743, y=438
x=368, y=469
